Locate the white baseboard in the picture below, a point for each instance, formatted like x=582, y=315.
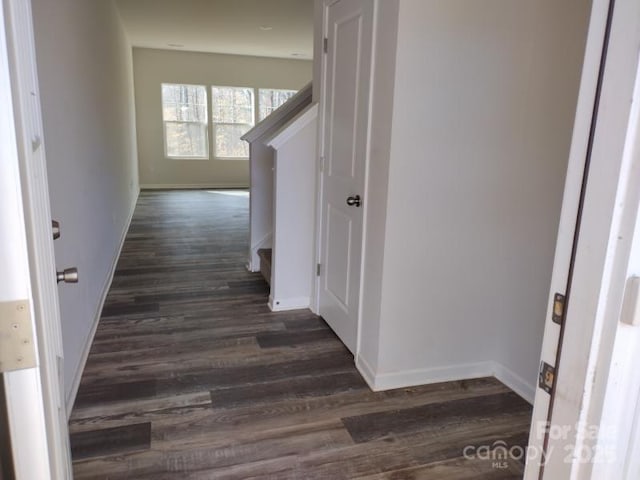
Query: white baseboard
x=425, y=376
x=516, y=383
x=71, y=398
x=282, y=305
x=367, y=372
x=190, y=186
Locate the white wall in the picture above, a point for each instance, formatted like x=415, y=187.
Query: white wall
x=154, y=67
x=483, y=107
x=292, y=266
x=86, y=84
x=377, y=182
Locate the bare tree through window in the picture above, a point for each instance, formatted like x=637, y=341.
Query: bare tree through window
x=233, y=116
x=186, y=125
x=271, y=99
x=184, y=114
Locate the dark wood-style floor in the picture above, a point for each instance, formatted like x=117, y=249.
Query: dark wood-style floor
x=192, y=377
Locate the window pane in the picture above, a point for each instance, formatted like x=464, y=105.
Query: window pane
x=184, y=111
x=228, y=143
x=271, y=99
x=184, y=103
x=178, y=112
x=232, y=105
x=186, y=140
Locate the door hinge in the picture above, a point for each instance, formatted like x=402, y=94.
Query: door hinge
x=322, y=164
x=318, y=270
x=547, y=377
x=325, y=44
x=17, y=346
x=559, y=302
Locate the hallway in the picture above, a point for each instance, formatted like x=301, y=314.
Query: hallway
x=191, y=376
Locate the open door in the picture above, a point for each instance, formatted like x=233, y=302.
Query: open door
x=348, y=40
x=590, y=237
x=33, y=383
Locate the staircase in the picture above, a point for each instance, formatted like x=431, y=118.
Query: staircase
x=283, y=170
x=261, y=166
x=265, y=263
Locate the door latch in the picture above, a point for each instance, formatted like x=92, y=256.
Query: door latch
x=55, y=228
x=559, y=302
x=547, y=377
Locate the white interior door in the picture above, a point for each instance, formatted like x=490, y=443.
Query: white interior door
x=595, y=192
x=36, y=410
x=347, y=72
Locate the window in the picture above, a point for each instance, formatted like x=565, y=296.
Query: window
x=271, y=99
x=184, y=114
x=233, y=116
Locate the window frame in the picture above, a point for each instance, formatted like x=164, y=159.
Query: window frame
x=207, y=156
x=210, y=124
x=214, y=123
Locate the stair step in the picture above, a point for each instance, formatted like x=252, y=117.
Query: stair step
x=265, y=263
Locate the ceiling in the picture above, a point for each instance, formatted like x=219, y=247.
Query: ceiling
x=266, y=28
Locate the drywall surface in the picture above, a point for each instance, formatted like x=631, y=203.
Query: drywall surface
x=377, y=182
x=294, y=213
x=484, y=100
x=86, y=84
x=154, y=67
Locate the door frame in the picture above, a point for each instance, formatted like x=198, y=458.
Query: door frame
x=35, y=397
x=602, y=242
x=319, y=96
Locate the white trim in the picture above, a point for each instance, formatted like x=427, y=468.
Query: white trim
x=284, y=304
x=526, y=390
x=367, y=173
x=366, y=370
x=293, y=126
x=425, y=376
x=75, y=385
x=191, y=186
x=319, y=73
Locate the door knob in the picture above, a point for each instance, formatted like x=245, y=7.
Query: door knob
x=55, y=228
x=354, y=201
x=69, y=275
